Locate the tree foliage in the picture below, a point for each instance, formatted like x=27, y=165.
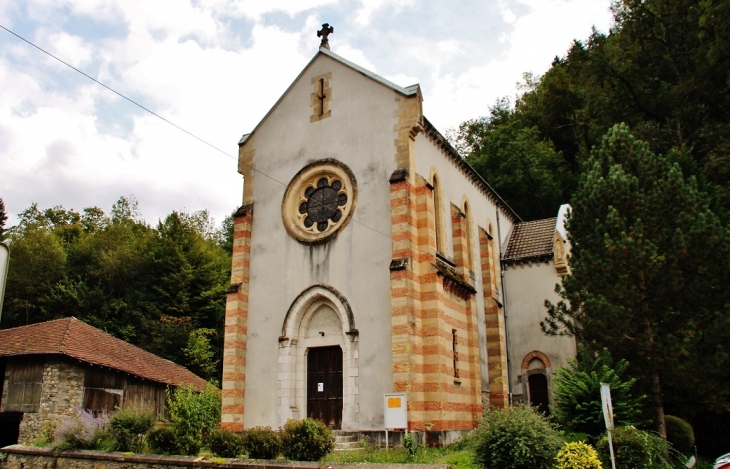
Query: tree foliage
x=662, y=69
x=162, y=288
x=577, y=392
x=649, y=274
x=521, y=165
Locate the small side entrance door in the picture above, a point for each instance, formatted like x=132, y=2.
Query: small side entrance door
x=324, y=385
x=539, y=393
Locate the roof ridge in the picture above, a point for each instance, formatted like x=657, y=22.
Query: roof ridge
x=62, y=348
x=542, y=220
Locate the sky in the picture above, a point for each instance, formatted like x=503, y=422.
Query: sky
x=215, y=68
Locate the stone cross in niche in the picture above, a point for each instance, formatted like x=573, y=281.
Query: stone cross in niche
x=323, y=33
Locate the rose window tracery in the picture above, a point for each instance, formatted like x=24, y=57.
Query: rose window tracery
x=322, y=204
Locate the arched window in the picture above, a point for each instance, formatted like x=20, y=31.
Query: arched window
x=438, y=213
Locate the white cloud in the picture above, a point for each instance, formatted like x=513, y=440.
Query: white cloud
x=364, y=14
x=538, y=36
x=65, y=140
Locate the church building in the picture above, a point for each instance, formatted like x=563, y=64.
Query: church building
x=367, y=260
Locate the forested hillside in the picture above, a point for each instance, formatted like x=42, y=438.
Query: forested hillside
x=161, y=288
x=650, y=197
x=663, y=69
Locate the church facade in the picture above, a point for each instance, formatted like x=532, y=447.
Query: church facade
x=366, y=261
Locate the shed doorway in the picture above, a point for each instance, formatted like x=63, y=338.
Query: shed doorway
x=324, y=385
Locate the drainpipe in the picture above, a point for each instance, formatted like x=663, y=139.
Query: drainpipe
x=504, y=309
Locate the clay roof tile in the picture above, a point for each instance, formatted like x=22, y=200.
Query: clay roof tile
x=532, y=239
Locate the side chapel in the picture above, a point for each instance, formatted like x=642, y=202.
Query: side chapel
x=367, y=260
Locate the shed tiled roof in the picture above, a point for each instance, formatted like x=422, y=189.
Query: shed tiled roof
x=531, y=239
x=76, y=339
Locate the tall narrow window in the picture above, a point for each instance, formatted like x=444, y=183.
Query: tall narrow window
x=469, y=239
x=438, y=214
x=321, y=96
x=456, y=354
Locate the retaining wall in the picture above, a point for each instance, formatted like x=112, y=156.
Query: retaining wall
x=26, y=457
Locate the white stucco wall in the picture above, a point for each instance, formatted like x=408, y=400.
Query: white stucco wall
x=359, y=134
x=527, y=287
x=455, y=186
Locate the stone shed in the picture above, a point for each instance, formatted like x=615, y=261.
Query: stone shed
x=54, y=369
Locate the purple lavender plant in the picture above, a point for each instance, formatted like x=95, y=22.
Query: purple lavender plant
x=82, y=431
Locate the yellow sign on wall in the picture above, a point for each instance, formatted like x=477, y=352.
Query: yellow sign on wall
x=394, y=402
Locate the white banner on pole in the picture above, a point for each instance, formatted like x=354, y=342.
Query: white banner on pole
x=607, y=406
x=4, y=261
x=608, y=417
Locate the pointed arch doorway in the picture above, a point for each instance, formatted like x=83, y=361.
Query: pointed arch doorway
x=318, y=360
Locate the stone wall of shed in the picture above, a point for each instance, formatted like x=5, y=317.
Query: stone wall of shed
x=62, y=396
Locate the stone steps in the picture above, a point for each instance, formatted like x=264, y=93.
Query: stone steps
x=345, y=441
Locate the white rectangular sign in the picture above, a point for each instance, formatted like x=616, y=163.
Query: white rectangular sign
x=607, y=406
x=396, y=410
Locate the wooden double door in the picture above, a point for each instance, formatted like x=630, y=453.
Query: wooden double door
x=324, y=385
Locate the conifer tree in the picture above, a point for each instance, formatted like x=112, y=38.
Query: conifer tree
x=649, y=274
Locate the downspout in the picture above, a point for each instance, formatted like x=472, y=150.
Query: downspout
x=504, y=309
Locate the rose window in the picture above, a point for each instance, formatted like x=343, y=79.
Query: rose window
x=319, y=201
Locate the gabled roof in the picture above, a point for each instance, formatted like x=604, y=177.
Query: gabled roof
x=407, y=91
x=78, y=340
x=531, y=240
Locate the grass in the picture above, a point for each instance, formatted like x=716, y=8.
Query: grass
x=456, y=456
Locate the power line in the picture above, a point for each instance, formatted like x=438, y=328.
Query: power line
x=172, y=123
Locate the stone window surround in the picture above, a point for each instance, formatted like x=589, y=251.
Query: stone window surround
x=293, y=349
x=321, y=106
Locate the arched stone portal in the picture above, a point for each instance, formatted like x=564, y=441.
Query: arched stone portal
x=319, y=318
x=536, y=379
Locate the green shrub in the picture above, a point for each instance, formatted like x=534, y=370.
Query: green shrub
x=680, y=434
x=577, y=455
x=161, y=439
x=633, y=448
x=306, y=440
x=46, y=436
x=578, y=393
x=262, y=443
x=225, y=443
x=517, y=437
x=409, y=443
x=129, y=426
x=193, y=414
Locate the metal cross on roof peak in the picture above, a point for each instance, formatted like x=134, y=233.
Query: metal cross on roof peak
x=323, y=33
